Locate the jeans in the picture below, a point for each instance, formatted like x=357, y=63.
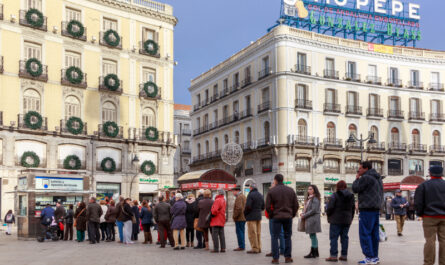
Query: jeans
x=68, y=232
x=199, y=238
x=341, y=231
x=80, y=235
x=369, y=233
x=120, y=228
x=93, y=232
x=110, y=231
x=314, y=240
x=218, y=237
x=190, y=235
x=281, y=236
x=284, y=225
x=241, y=234
x=103, y=230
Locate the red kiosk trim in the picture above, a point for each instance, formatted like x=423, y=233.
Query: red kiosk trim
x=207, y=179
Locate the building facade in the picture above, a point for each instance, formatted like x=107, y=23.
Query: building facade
x=86, y=86
x=292, y=98
x=183, y=132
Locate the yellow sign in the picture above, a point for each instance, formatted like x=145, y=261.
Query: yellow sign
x=380, y=48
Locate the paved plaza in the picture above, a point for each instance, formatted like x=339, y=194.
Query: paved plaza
x=405, y=250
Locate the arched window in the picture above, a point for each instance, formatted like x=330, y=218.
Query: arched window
x=436, y=138
x=148, y=118
x=109, y=112
x=31, y=101
x=237, y=137
x=216, y=144
x=72, y=107
x=415, y=137
x=207, y=147
x=302, y=129
x=226, y=139
x=375, y=132
x=267, y=131
x=249, y=134
x=352, y=129
x=395, y=136
x=331, y=131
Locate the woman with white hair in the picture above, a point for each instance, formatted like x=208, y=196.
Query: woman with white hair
x=179, y=221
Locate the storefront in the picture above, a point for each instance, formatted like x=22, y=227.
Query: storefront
x=301, y=190
x=148, y=188
x=110, y=190
x=407, y=185
x=330, y=184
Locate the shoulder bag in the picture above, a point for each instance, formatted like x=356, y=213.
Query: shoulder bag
x=301, y=225
x=133, y=219
x=75, y=220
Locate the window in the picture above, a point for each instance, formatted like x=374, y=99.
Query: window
x=331, y=165
x=302, y=129
x=226, y=139
x=351, y=166
x=267, y=130
x=73, y=14
x=206, y=93
x=435, y=81
x=352, y=129
x=235, y=80
x=236, y=109
x=198, y=122
x=215, y=90
x=436, y=138
x=206, y=120
x=216, y=144
x=247, y=103
x=374, y=102
x=352, y=70
x=32, y=50
x=415, y=78
x=330, y=65
x=109, y=67
x=148, y=34
x=72, y=59
x=353, y=102
x=372, y=71
x=375, y=132
x=198, y=98
x=395, y=167
x=249, y=135
x=199, y=149
x=415, y=134
x=225, y=112
x=331, y=96
x=416, y=167
x=109, y=24
x=414, y=105
x=266, y=164
x=435, y=108
x=394, y=75
x=72, y=107
x=301, y=93
x=31, y=101
x=331, y=131
x=301, y=61
x=37, y=4
x=109, y=112
x=207, y=147
x=394, y=104
x=377, y=165
x=148, y=118
x=186, y=145
x=395, y=136
x=302, y=164
x=225, y=84
x=265, y=64
x=148, y=75
x=265, y=95
x=237, y=137
x=215, y=116
x=247, y=73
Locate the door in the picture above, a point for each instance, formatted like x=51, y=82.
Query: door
x=435, y=107
x=301, y=93
x=301, y=62
x=394, y=75
x=394, y=105
x=330, y=65
x=415, y=78
x=351, y=70
x=372, y=72
x=435, y=80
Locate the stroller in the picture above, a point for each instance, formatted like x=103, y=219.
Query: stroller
x=51, y=231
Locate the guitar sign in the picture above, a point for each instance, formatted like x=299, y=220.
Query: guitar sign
x=299, y=6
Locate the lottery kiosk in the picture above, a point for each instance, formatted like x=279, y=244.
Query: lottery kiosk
x=36, y=190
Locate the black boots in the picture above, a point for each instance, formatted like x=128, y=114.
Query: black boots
x=313, y=254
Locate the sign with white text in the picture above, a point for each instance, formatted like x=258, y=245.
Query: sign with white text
x=58, y=183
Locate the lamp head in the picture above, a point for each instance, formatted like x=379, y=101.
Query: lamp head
x=135, y=160
x=351, y=139
x=372, y=140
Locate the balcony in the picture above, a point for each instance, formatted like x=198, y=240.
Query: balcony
x=395, y=171
x=103, y=87
x=214, y=98
x=438, y=149
x=34, y=66
x=302, y=69
x=35, y=18
x=1, y=65
x=112, y=37
x=397, y=147
x=234, y=88
x=396, y=114
x=264, y=73
x=417, y=148
x=416, y=116
x=374, y=80
x=247, y=81
x=303, y=104
x=302, y=168
x=186, y=132
x=353, y=146
x=64, y=128
x=245, y=113
x=394, y=82
x=415, y=85
x=351, y=170
x=332, y=143
x=248, y=172
x=205, y=102
x=64, y=79
x=304, y=140
x=332, y=108
x=247, y=146
x=224, y=93
x=76, y=29
x=264, y=106
x=186, y=151
x=144, y=94
x=22, y=125
x=1, y=11
x=377, y=147
x=101, y=133
x=437, y=117
x=144, y=52
x=333, y=170
x=196, y=107
x=331, y=74
x=374, y=113
x=163, y=137
x=354, y=110
x=352, y=77
x=264, y=142
x=436, y=87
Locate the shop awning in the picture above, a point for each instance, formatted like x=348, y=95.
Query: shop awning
x=352, y=158
x=331, y=156
x=409, y=183
x=303, y=155
x=207, y=179
x=375, y=158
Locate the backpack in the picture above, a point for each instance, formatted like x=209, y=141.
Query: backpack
x=9, y=218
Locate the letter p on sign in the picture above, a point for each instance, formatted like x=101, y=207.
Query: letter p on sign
x=361, y=3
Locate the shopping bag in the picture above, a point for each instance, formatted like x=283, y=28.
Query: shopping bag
x=382, y=234
x=301, y=225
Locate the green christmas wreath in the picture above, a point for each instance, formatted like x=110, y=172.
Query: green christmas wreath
x=31, y=70
x=75, y=28
x=74, y=75
x=109, y=40
x=151, y=47
x=151, y=86
x=33, y=120
x=74, y=125
x=30, y=155
x=112, y=82
x=34, y=18
x=72, y=162
x=152, y=134
x=151, y=168
x=108, y=165
x=110, y=132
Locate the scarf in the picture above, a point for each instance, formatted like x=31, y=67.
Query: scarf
x=190, y=200
x=307, y=202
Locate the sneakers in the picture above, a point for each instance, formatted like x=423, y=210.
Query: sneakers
x=377, y=260
x=368, y=261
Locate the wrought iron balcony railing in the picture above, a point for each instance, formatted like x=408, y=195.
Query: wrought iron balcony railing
x=416, y=115
x=144, y=52
x=415, y=85
x=264, y=106
x=396, y=114
x=64, y=128
x=436, y=87
x=302, y=69
x=333, y=142
x=437, y=149
x=101, y=133
x=377, y=146
x=420, y=148
x=331, y=74
x=247, y=81
x=374, y=112
x=397, y=146
x=352, y=77
x=394, y=82
x=353, y=110
x=304, y=140
x=65, y=32
x=264, y=73
x=330, y=107
x=24, y=22
x=440, y=117
x=64, y=79
x=103, y=87
x=375, y=80
x=23, y=72
x=21, y=124
x=144, y=94
x=104, y=43
x=303, y=104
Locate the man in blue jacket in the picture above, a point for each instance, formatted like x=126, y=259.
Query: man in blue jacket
x=399, y=204
x=46, y=218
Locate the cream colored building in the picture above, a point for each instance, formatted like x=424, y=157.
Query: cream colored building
x=293, y=97
x=112, y=66
x=183, y=132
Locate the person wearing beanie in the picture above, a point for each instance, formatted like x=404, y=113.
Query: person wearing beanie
x=253, y=212
x=399, y=204
x=429, y=202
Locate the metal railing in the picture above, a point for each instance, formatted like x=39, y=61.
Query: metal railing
x=64, y=128
x=264, y=73
x=394, y=82
x=101, y=133
x=224, y=93
x=415, y=85
x=302, y=69
x=24, y=22
x=329, y=107
x=186, y=151
x=65, y=33
x=332, y=142
x=163, y=137
x=104, y=43
x=22, y=125
x=397, y=146
x=304, y=140
x=353, y=110
x=416, y=115
x=186, y=132
x=143, y=94
x=247, y=81
x=375, y=80
x=352, y=77
x=437, y=117
x=264, y=106
x=436, y=87
x=303, y=104
x=247, y=146
x=417, y=148
x=235, y=87
x=331, y=74
x=437, y=149
x=245, y=113
x=24, y=73
x=214, y=98
x=395, y=171
x=396, y=114
x=377, y=146
x=264, y=142
x=64, y=80
x=144, y=52
x=102, y=86
x=373, y=112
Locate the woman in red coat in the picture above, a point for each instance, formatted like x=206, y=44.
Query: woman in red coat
x=218, y=221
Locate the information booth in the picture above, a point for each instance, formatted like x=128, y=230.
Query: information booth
x=36, y=190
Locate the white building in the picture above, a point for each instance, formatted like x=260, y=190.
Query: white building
x=183, y=132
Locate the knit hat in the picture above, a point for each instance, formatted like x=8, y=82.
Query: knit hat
x=221, y=192
x=436, y=171
x=179, y=196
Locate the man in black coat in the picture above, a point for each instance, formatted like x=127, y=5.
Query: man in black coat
x=94, y=211
x=199, y=234
x=253, y=214
x=59, y=215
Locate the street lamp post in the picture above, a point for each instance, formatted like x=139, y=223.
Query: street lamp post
x=134, y=162
x=353, y=139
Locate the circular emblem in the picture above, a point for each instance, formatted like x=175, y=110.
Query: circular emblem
x=232, y=154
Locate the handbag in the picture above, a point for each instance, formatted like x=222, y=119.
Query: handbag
x=209, y=219
x=301, y=225
x=75, y=220
x=195, y=225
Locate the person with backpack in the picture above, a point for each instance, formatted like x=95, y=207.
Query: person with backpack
x=9, y=220
x=69, y=220
x=46, y=218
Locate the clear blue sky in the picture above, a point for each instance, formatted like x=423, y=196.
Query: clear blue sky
x=210, y=31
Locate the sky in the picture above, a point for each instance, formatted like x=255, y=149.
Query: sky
x=210, y=31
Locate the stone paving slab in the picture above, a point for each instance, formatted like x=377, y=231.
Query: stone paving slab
x=405, y=250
